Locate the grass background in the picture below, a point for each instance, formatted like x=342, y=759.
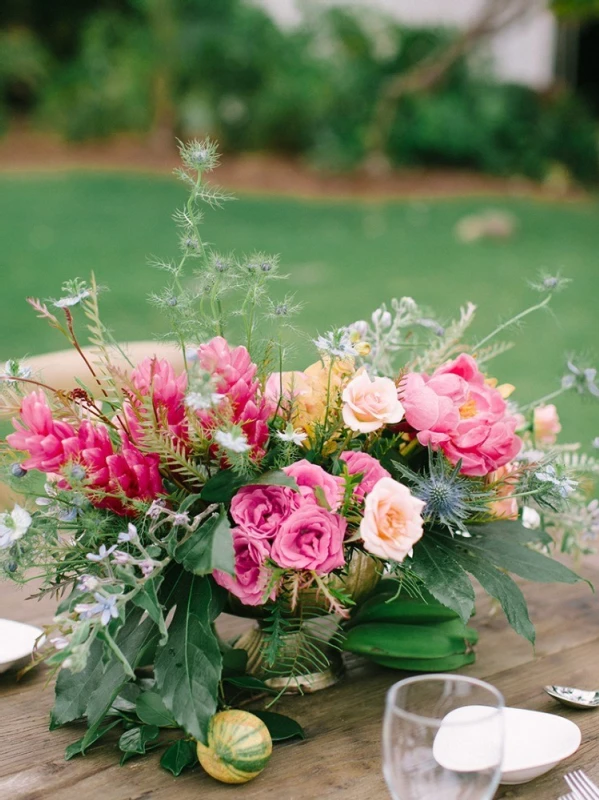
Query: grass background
x=343, y=258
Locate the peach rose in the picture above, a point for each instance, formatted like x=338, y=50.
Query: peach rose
x=370, y=404
x=392, y=522
x=506, y=506
x=546, y=425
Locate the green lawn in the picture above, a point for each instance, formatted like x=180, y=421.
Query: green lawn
x=343, y=260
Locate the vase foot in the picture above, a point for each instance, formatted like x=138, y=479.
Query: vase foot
x=279, y=676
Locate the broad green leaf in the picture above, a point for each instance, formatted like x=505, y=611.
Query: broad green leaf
x=279, y=726
x=500, y=586
x=181, y=754
x=248, y=682
x=505, y=550
x=73, y=690
x=209, y=547
x=151, y=710
x=132, y=638
x=135, y=739
x=76, y=748
x=147, y=598
x=443, y=576
x=222, y=487
x=188, y=668
x=137, y=643
x=235, y=659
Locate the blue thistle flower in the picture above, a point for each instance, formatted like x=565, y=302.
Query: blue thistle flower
x=450, y=498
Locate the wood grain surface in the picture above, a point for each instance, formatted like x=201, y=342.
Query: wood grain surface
x=341, y=757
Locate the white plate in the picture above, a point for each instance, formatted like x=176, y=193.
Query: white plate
x=17, y=642
x=534, y=742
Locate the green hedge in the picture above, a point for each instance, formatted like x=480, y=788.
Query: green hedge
x=227, y=69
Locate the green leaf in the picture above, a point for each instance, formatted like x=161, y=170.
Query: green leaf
x=279, y=726
x=505, y=547
x=72, y=690
x=181, y=754
x=209, y=547
x=135, y=739
x=76, y=748
x=147, y=598
x=151, y=710
x=275, y=477
x=235, y=659
x=248, y=682
x=443, y=576
x=132, y=638
x=188, y=667
x=222, y=487
x=500, y=586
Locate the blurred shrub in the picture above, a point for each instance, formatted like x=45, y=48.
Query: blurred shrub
x=24, y=68
x=105, y=89
x=225, y=68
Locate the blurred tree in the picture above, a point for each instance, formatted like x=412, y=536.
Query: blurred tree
x=426, y=74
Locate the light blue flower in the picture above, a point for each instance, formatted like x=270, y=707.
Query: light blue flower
x=129, y=535
x=104, y=607
x=101, y=554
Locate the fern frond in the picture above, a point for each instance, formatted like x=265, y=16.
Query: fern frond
x=493, y=351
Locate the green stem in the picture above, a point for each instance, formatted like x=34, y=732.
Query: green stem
x=511, y=322
x=543, y=400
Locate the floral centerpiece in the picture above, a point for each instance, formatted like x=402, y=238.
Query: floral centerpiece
x=156, y=498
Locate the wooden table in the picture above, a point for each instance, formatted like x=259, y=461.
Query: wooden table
x=342, y=754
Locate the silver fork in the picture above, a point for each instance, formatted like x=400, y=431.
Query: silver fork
x=582, y=786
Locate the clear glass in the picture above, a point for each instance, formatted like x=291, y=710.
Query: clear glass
x=443, y=738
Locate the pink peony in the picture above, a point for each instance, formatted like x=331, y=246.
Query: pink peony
x=310, y=477
x=234, y=376
x=311, y=538
x=252, y=577
x=370, y=468
x=260, y=510
x=457, y=410
x=50, y=443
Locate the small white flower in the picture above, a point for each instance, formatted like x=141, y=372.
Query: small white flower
x=180, y=518
x=59, y=642
x=296, y=437
x=120, y=557
x=130, y=535
x=381, y=318
x=146, y=567
x=531, y=518
x=13, y=525
x=101, y=554
x=596, y=442
x=87, y=583
x=154, y=511
x=360, y=327
x=197, y=401
x=234, y=442
x=13, y=370
x=72, y=300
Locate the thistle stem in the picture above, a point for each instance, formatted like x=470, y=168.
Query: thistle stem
x=511, y=322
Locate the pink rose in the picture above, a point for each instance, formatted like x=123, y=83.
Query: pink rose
x=392, y=522
x=369, y=404
x=252, y=577
x=260, y=510
x=546, y=425
x=310, y=538
x=370, y=468
x=457, y=410
x=310, y=477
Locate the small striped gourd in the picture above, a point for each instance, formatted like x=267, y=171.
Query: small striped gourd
x=238, y=749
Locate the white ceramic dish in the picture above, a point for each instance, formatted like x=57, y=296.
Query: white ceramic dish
x=17, y=641
x=534, y=742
